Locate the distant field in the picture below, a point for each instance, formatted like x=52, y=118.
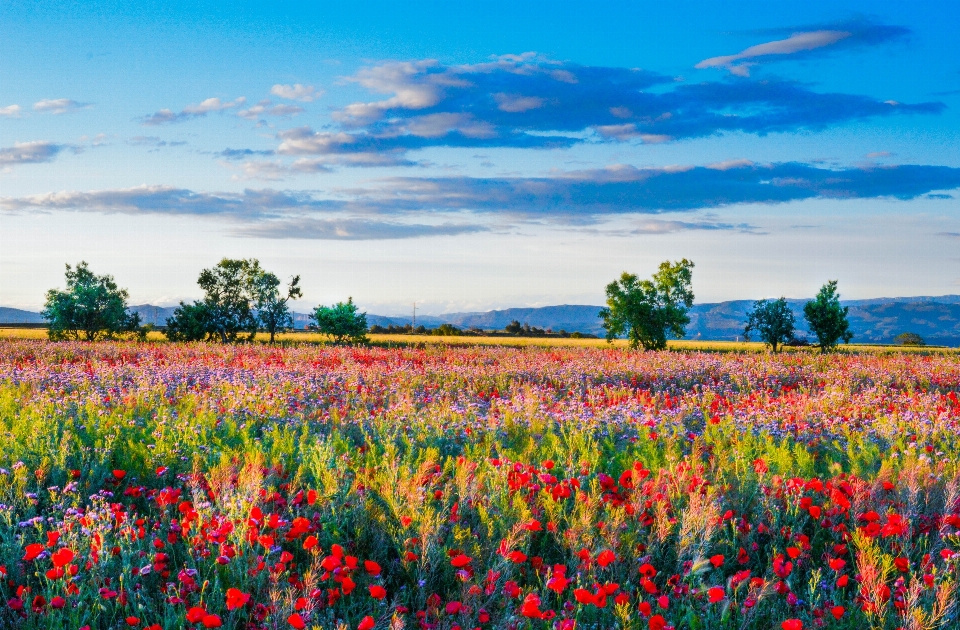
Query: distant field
x=515, y=342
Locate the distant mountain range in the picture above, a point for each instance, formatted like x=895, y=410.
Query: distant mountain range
x=879, y=320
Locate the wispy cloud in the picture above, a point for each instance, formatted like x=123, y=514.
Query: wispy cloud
x=353, y=229
x=296, y=92
x=526, y=101
x=29, y=153
x=566, y=197
x=153, y=141
x=58, y=106
x=627, y=189
x=659, y=226
x=266, y=108
x=251, y=204
x=252, y=213
x=199, y=110
x=10, y=111
x=240, y=154
x=818, y=39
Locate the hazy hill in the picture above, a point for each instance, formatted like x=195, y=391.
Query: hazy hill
x=16, y=316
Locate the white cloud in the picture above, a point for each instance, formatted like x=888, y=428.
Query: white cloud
x=10, y=111
x=192, y=111
x=213, y=105
x=630, y=131
x=58, y=106
x=266, y=108
x=516, y=103
x=413, y=84
x=29, y=153
x=296, y=92
x=798, y=42
x=726, y=165
x=437, y=125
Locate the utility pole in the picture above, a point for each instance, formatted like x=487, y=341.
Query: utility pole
x=414, y=314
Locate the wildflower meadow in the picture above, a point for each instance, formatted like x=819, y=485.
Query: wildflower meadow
x=162, y=486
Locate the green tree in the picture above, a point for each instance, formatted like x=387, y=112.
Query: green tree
x=272, y=310
x=827, y=319
x=92, y=307
x=647, y=311
x=342, y=321
x=190, y=322
x=772, y=321
x=228, y=306
x=909, y=339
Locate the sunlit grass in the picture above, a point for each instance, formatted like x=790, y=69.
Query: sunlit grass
x=521, y=342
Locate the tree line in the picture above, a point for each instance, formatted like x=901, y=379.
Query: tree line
x=240, y=300
x=647, y=312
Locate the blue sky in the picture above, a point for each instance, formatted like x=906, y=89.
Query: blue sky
x=481, y=155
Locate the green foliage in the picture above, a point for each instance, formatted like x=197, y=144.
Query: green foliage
x=827, y=319
x=909, y=339
x=92, y=307
x=190, y=322
x=239, y=296
x=447, y=330
x=229, y=295
x=272, y=310
x=342, y=321
x=647, y=311
x=772, y=321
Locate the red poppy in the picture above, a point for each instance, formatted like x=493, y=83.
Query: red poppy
x=296, y=621
x=62, y=557
x=32, y=551
x=460, y=560
x=377, y=591
x=211, y=621
x=716, y=594
x=236, y=598
x=195, y=614
x=366, y=623
x=605, y=558
x=657, y=622
x=792, y=624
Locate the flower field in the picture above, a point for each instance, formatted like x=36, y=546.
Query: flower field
x=162, y=486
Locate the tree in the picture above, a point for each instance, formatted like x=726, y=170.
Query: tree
x=826, y=318
x=514, y=328
x=91, y=308
x=227, y=308
x=772, y=321
x=647, y=311
x=190, y=322
x=272, y=311
x=909, y=339
x=342, y=321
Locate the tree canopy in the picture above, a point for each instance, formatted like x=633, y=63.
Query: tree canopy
x=92, y=307
x=648, y=311
x=272, y=311
x=827, y=319
x=228, y=308
x=342, y=321
x=772, y=321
